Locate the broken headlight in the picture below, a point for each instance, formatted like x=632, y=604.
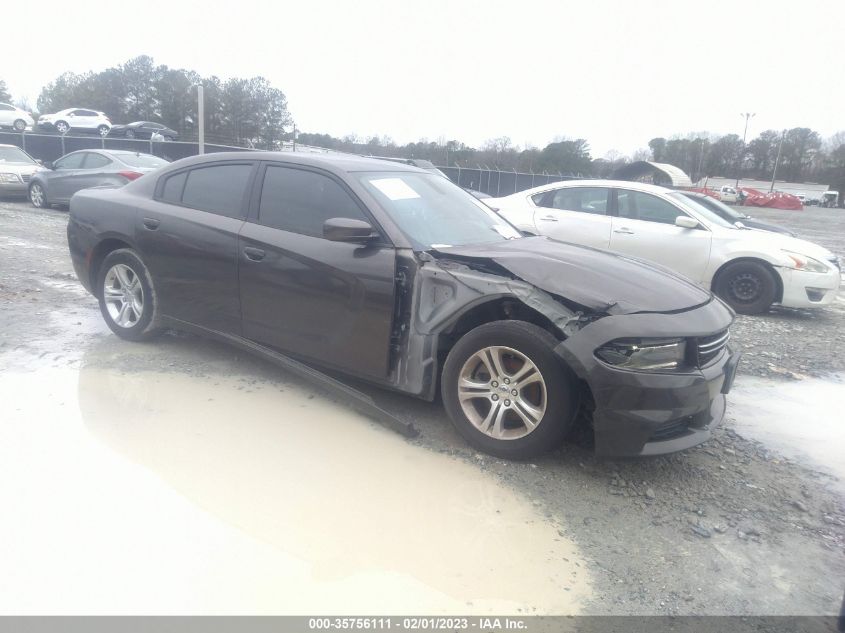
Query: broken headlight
x=644, y=354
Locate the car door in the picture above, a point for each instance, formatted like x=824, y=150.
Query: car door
x=92, y=173
x=575, y=214
x=60, y=179
x=188, y=235
x=329, y=302
x=644, y=227
x=85, y=119
x=7, y=115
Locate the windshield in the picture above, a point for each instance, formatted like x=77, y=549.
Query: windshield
x=700, y=209
x=143, y=160
x=434, y=212
x=15, y=155
x=719, y=208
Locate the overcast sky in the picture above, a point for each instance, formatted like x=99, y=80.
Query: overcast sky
x=614, y=72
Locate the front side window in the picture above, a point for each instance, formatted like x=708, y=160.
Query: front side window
x=71, y=161
x=300, y=201
x=434, y=212
x=582, y=199
x=217, y=189
x=636, y=205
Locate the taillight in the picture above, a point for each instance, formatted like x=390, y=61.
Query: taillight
x=129, y=175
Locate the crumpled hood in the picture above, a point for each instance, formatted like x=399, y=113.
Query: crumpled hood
x=596, y=279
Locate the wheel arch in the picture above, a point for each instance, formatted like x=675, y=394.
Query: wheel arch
x=756, y=260
x=99, y=254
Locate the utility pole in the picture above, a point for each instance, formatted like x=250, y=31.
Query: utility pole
x=201, y=117
x=747, y=116
x=700, y=161
x=294, y=137
x=775, y=170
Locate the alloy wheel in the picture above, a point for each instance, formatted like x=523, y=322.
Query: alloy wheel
x=123, y=295
x=36, y=195
x=502, y=393
x=62, y=127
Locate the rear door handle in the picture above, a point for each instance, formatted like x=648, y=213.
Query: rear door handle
x=624, y=230
x=254, y=254
x=549, y=218
x=151, y=223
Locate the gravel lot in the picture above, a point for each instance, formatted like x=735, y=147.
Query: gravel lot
x=731, y=527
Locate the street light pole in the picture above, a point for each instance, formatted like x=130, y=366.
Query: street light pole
x=201, y=117
x=775, y=170
x=747, y=116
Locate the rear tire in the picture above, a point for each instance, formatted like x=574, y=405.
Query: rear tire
x=103, y=130
x=128, y=301
x=747, y=287
x=506, y=391
x=129, y=134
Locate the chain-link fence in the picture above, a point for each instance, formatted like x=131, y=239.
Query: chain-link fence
x=50, y=147
x=498, y=183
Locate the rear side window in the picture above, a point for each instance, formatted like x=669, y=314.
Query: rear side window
x=92, y=161
x=582, y=199
x=173, y=186
x=217, y=189
x=301, y=201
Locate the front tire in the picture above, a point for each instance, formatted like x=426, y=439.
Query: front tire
x=128, y=301
x=747, y=287
x=506, y=392
x=19, y=125
x=129, y=134
x=37, y=196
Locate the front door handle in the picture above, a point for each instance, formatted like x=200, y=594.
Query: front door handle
x=151, y=223
x=625, y=230
x=549, y=218
x=254, y=254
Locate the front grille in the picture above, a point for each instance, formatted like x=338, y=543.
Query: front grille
x=25, y=177
x=709, y=348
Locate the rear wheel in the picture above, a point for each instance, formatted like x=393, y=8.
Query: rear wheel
x=103, y=130
x=127, y=296
x=506, y=392
x=748, y=287
x=130, y=134
x=37, y=196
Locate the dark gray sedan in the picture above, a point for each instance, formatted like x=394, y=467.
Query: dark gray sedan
x=732, y=215
x=88, y=168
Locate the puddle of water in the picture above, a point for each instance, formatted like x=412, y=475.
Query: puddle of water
x=162, y=493
x=802, y=420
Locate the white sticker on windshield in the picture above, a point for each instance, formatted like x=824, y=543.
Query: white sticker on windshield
x=395, y=188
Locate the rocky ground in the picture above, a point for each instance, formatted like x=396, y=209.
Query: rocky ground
x=730, y=527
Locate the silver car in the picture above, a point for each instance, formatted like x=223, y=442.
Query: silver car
x=88, y=168
x=16, y=170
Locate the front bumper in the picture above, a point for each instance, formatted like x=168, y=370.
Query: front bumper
x=13, y=189
x=650, y=413
x=802, y=289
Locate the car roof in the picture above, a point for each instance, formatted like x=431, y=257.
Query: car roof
x=332, y=162
x=627, y=184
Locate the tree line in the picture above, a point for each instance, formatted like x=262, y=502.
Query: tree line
x=251, y=112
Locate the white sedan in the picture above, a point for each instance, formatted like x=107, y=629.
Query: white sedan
x=77, y=119
x=15, y=118
x=747, y=268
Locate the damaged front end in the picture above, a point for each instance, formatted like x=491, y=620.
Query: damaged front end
x=633, y=410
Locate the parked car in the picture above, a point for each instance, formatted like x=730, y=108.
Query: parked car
x=15, y=118
x=16, y=169
x=79, y=119
x=88, y=168
x=750, y=270
x=397, y=276
x=729, y=194
x=143, y=130
x=733, y=216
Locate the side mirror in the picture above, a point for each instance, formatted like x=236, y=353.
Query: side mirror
x=686, y=222
x=48, y=164
x=348, y=230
